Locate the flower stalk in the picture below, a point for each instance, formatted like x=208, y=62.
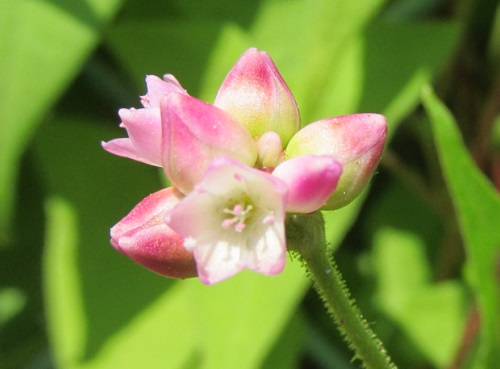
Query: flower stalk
x=306, y=238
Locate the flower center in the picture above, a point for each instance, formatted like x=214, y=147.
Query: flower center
x=238, y=215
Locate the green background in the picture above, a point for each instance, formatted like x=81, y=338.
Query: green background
x=420, y=250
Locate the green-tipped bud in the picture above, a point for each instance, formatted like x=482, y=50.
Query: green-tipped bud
x=356, y=140
x=256, y=94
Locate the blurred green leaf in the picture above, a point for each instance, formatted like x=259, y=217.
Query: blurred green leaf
x=240, y=319
x=162, y=46
x=288, y=348
x=23, y=338
x=399, y=60
x=477, y=206
x=409, y=10
x=319, y=346
x=405, y=231
x=43, y=44
x=373, y=73
x=430, y=315
x=99, y=189
x=62, y=284
x=11, y=302
x=221, y=10
x=174, y=37
x=339, y=222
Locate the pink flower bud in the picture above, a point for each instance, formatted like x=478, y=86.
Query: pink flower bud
x=194, y=133
x=356, y=140
x=270, y=150
x=144, y=125
x=256, y=94
x=310, y=180
x=145, y=238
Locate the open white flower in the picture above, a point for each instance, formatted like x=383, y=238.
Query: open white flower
x=233, y=220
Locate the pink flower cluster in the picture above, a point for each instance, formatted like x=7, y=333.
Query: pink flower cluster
x=237, y=167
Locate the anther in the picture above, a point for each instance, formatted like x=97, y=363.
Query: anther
x=239, y=216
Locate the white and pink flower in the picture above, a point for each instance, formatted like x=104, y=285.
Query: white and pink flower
x=237, y=167
x=233, y=220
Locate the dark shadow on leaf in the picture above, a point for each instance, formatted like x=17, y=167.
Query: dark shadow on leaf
x=102, y=189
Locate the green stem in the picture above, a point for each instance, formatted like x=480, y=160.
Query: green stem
x=306, y=236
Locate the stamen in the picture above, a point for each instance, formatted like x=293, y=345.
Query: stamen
x=268, y=219
x=239, y=216
x=238, y=209
x=226, y=223
x=240, y=226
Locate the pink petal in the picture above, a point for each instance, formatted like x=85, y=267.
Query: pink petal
x=158, y=88
x=124, y=147
x=310, y=179
x=194, y=133
x=145, y=238
x=144, y=130
x=144, y=125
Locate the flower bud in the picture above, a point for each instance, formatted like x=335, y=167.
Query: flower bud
x=144, y=125
x=194, y=133
x=310, y=179
x=145, y=238
x=356, y=140
x=270, y=150
x=256, y=94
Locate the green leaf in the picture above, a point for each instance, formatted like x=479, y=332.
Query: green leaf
x=430, y=315
x=477, y=206
x=338, y=222
x=372, y=73
x=288, y=348
x=99, y=189
x=394, y=75
x=62, y=284
x=12, y=302
x=43, y=44
x=178, y=47
x=240, y=320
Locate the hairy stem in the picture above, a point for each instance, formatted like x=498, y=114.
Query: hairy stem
x=306, y=236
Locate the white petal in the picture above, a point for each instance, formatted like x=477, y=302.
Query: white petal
x=268, y=252
x=218, y=261
x=204, y=217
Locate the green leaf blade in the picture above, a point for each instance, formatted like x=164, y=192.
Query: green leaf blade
x=43, y=45
x=477, y=205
